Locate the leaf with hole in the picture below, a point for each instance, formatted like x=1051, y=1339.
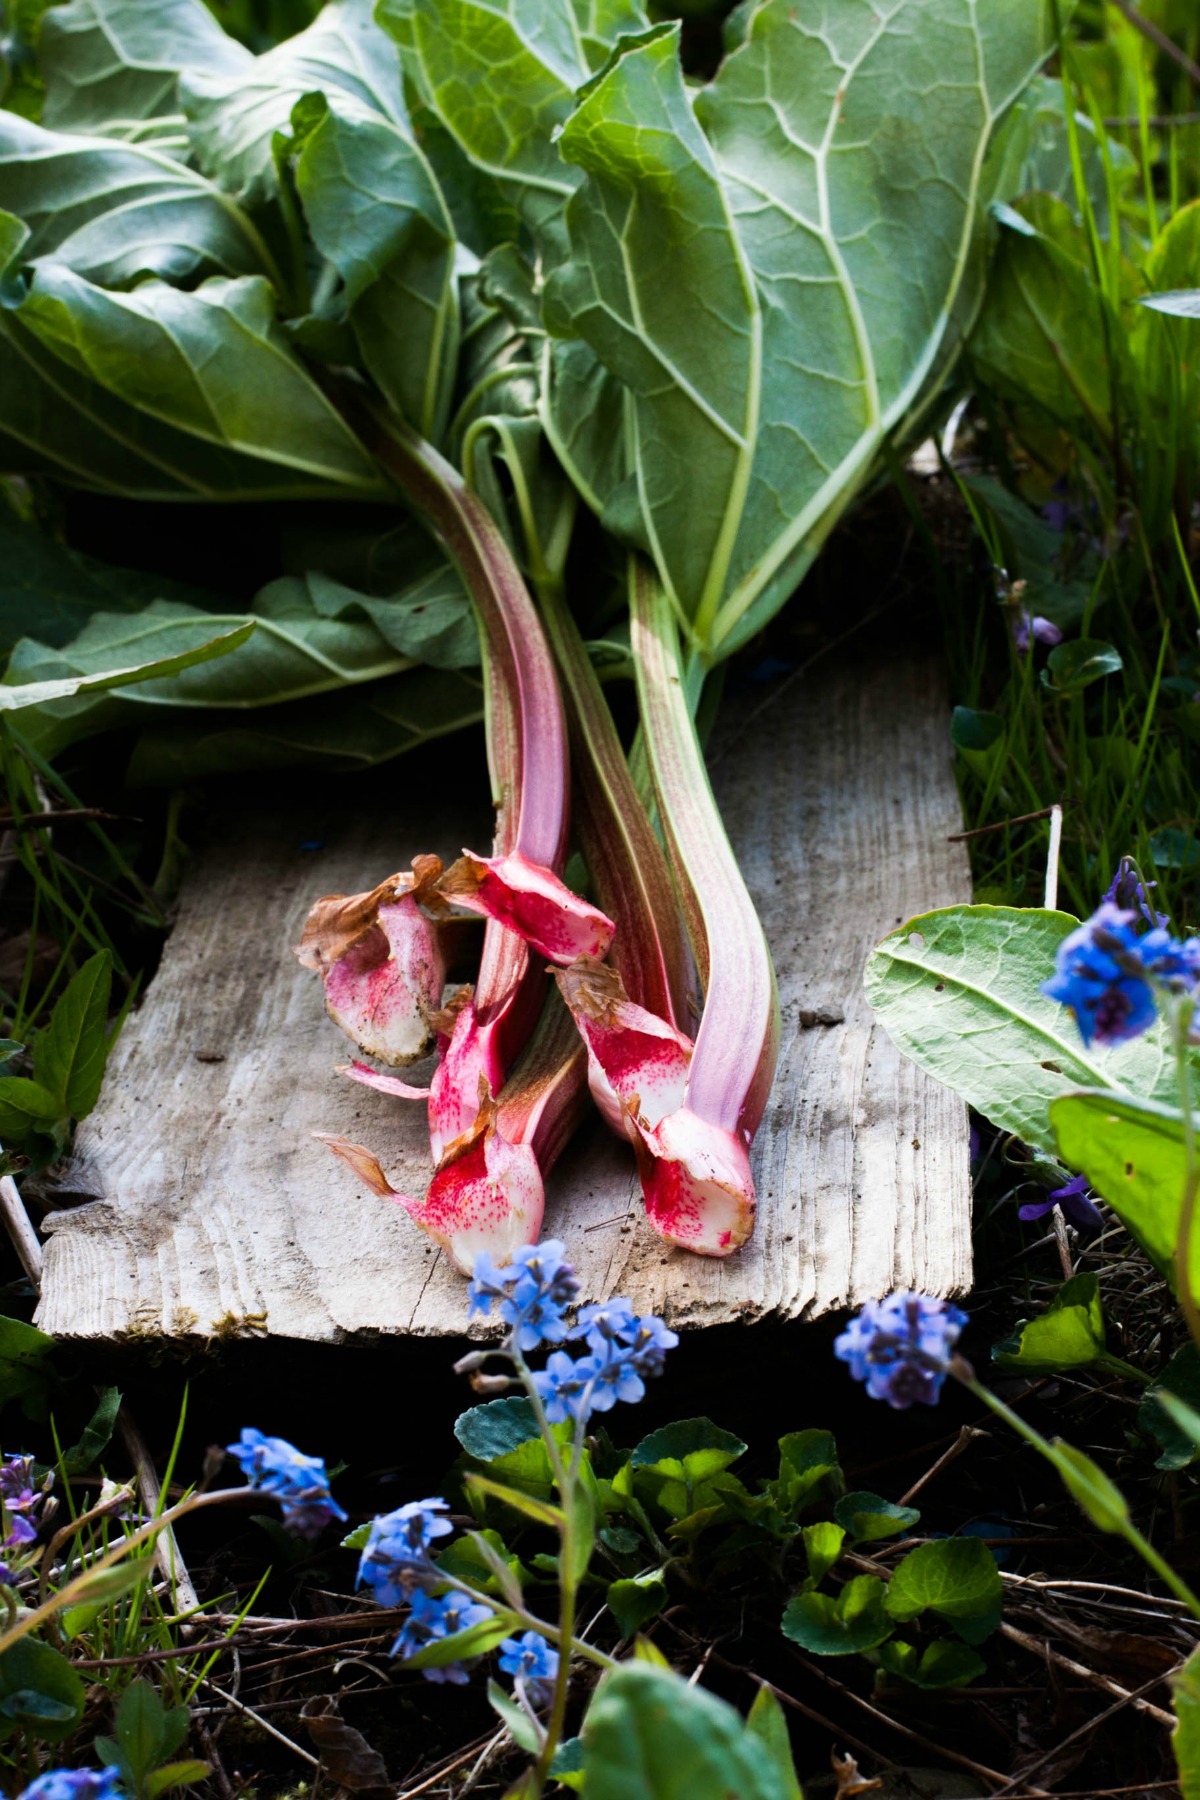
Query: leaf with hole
x=959, y=992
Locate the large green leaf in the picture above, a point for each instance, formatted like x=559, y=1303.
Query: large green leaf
x=653, y=222
x=376, y=213
x=110, y=63
x=346, y=731
x=957, y=990
x=849, y=149
x=233, y=118
x=1132, y=1153
x=39, y=1691
x=211, y=364
x=1041, y=336
x=17, y=696
x=44, y=581
x=648, y=1735
x=115, y=212
x=310, y=635
x=501, y=76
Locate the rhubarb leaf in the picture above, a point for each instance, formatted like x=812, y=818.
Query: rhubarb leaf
x=501, y=76
x=959, y=992
x=211, y=364
x=114, y=62
x=233, y=117
x=848, y=153
x=376, y=213
x=15, y=696
x=346, y=731
x=115, y=212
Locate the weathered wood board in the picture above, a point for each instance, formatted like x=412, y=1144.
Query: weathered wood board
x=199, y=1203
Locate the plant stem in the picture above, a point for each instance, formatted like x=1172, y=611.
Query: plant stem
x=1191, y=1180
x=1122, y=1524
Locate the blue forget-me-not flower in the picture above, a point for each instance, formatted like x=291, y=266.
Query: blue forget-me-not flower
x=901, y=1347
x=76, y=1784
x=439, y=1616
x=300, y=1483
x=397, y=1552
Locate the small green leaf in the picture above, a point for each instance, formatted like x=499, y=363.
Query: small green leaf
x=956, y=1578
x=109, y=1584
x=1073, y=666
x=644, y=1650
x=96, y=1435
x=1100, y=1498
x=649, y=1735
x=940, y=1665
x=636, y=1601
x=822, y=1546
x=486, y=1432
x=24, y=1375
x=807, y=1462
x=1068, y=1335
x=357, y=1539
x=567, y=1767
x=476, y=1640
x=1132, y=1152
x=1179, y=1381
x=1186, y=1739
x=176, y=1775
x=25, y=1107
x=540, y=1511
x=477, y=1558
x=856, y=1620
x=521, y=1727
x=866, y=1517
x=69, y=1054
x=767, y=1723
x=1183, y=303
x=691, y=1450
x=40, y=1691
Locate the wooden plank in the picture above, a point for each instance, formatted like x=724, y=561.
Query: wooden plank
x=207, y=1208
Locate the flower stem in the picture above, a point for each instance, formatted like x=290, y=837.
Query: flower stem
x=1191, y=1179
x=1053, y=1455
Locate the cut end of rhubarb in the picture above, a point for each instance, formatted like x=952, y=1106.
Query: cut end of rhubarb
x=381, y=964
x=697, y=1184
x=486, y=1195
x=637, y=1063
x=529, y=899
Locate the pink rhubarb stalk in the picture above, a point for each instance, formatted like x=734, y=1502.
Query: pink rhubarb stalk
x=695, y=1163
x=487, y=1192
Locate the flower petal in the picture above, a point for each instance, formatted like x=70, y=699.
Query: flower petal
x=384, y=1084
x=530, y=900
x=470, y=1068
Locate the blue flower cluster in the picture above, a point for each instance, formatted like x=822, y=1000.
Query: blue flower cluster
x=76, y=1784
x=530, y=1660
x=26, y=1508
x=623, y=1348
x=901, y=1346
x=1107, y=973
x=300, y=1483
x=439, y=1616
x=396, y=1558
x=533, y=1291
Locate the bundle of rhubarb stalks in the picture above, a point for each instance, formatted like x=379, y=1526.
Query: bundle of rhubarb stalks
x=508, y=262
x=695, y=268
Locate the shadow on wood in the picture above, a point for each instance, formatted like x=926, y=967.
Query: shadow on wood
x=206, y=1209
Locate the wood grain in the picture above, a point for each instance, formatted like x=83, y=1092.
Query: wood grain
x=197, y=1203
